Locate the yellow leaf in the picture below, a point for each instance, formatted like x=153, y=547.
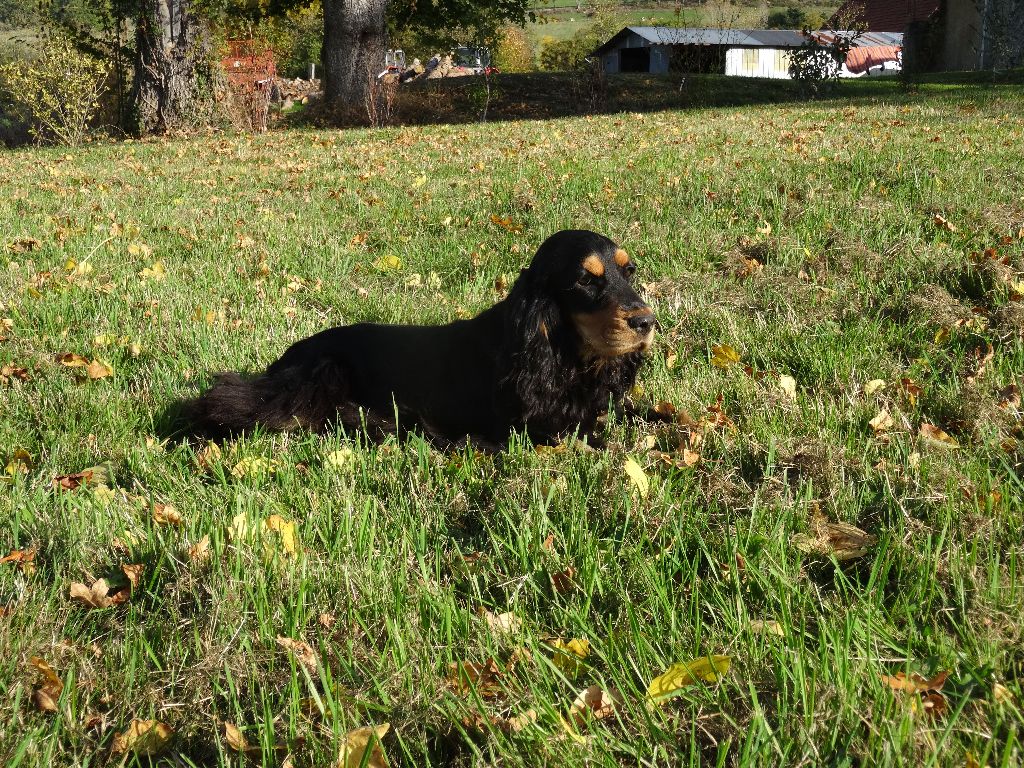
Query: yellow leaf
x=765, y=228
x=569, y=656
x=72, y=360
x=723, y=356
x=286, y=530
x=788, y=386
x=340, y=457
x=240, y=528
x=140, y=249
x=881, y=422
x=358, y=742
x=637, y=475
x=419, y=181
x=941, y=335
x=767, y=628
x=873, y=386
x=235, y=738
x=143, y=737
x=388, y=263
x=253, y=466
x=20, y=461
x=155, y=272
x=707, y=669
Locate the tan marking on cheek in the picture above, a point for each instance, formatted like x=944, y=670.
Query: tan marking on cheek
x=594, y=265
x=621, y=258
x=544, y=329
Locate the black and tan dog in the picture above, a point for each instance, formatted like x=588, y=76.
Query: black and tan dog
x=548, y=359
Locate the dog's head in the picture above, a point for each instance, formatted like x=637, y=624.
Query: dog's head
x=589, y=278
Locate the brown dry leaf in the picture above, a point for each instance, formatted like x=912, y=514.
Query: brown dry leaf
x=466, y=676
x=327, y=620
x=209, y=455
x=8, y=373
x=304, y=654
x=911, y=389
x=357, y=742
x=505, y=223
x=840, y=540
x=237, y=742
x=723, y=356
x=666, y=409
x=594, y=703
x=915, y=683
x=99, y=595
x=501, y=623
x=1009, y=397
x=936, y=436
x=98, y=369
x=134, y=575
x=982, y=359
x=882, y=422
x=22, y=559
x=200, y=551
x=50, y=686
x=91, y=476
x=24, y=245
x=562, y=581
x=166, y=514
x=143, y=737
x=943, y=223
x=72, y=360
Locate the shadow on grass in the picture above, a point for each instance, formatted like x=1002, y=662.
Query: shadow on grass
x=552, y=95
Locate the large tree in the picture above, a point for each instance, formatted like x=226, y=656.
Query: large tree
x=173, y=66
x=356, y=35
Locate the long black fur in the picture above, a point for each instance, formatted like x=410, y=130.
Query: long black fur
x=523, y=364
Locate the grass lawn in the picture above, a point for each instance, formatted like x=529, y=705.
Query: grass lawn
x=841, y=506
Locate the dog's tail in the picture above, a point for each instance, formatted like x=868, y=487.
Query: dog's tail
x=280, y=398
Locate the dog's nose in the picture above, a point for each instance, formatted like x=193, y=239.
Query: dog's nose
x=642, y=324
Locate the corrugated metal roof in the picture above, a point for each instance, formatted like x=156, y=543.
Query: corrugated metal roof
x=740, y=38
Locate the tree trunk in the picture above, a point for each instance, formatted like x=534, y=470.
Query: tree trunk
x=355, y=39
x=173, y=86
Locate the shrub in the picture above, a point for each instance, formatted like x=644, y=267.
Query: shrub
x=58, y=93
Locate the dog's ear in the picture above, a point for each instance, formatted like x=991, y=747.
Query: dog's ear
x=534, y=339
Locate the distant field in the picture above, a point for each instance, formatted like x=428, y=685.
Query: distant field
x=825, y=548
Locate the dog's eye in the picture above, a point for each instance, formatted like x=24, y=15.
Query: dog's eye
x=587, y=279
x=629, y=269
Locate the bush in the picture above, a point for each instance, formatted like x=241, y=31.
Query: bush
x=513, y=52
x=57, y=93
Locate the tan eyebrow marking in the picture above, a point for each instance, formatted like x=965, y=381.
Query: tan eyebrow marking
x=594, y=265
x=621, y=258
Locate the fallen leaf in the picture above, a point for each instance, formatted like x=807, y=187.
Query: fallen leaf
x=788, y=386
x=637, y=475
x=133, y=574
x=1001, y=693
x=764, y=228
x=501, y=623
x=253, y=466
x=92, y=476
x=562, y=581
x=760, y=627
x=11, y=373
x=943, y=223
x=22, y=559
x=200, y=551
x=594, y=703
x=143, y=737
x=915, y=683
x=388, y=263
x=873, y=386
x=99, y=595
x=882, y=422
x=98, y=369
x=1009, y=397
x=724, y=356
x=304, y=654
x=354, y=751
x=911, y=389
x=505, y=223
x=166, y=514
x=340, y=458
x=24, y=245
x=840, y=540
x=237, y=742
x=936, y=436
x=467, y=676
x=286, y=530
x=50, y=686
x=156, y=272
x=72, y=360
x=708, y=669
x=569, y=656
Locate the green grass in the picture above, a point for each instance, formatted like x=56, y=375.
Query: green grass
x=402, y=546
